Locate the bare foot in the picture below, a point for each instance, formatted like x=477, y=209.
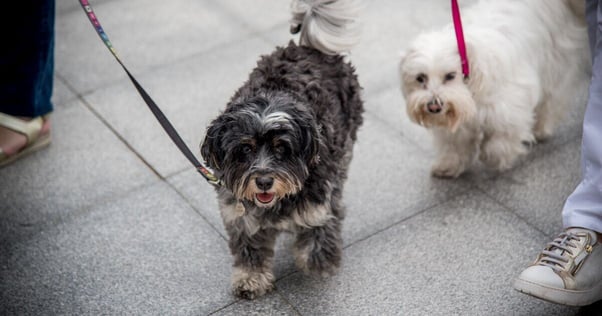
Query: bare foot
x=12, y=142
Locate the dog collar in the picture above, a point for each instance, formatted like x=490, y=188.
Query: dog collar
x=460, y=37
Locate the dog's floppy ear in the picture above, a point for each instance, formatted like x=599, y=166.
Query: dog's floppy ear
x=475, y=79
x=402, y=73
x=312, y=143
x=403, y=54
x=211, y=147
x=310, y=138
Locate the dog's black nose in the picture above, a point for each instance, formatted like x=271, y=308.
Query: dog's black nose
x=264, y=183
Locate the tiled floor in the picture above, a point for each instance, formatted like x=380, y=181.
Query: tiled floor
x=111, y=219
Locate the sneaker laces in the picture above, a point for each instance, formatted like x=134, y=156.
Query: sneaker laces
x=559, y=253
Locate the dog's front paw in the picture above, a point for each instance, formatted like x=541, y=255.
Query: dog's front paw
x=319, y=261
x=250, y=285
x=448, y=167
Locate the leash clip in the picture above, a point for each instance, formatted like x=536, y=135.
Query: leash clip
x=209, y=176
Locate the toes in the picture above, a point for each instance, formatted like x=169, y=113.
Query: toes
x=251, y=284
x=447, y=170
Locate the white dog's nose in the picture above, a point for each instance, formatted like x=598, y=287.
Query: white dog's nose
x=434, y=106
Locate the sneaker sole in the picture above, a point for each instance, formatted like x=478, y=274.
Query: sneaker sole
x=560, y=296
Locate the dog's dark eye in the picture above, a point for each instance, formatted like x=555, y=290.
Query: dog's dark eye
x=246, y=149
x=421, y=78
x=450, y=76
x=280, y=151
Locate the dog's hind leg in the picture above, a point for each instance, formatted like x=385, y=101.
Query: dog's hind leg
x=253, y=254
x=318, y=250
x=501, y=150
x=547, y=114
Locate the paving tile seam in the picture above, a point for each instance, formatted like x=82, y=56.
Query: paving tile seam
x=219, y=45
x=181, y=171
x=397, y=132
x=461, y=193
x=142, y=72
x=538, y=151
x=69, y=87
x=259, y=32
x=84, y=209
x=120, y=137
x=145, y=71
x=538, y=154
x=123, y=195
x=374, y=94
x=191, y=204
x=274, y=292
x=236, y=301
x=283, y=297
x=511, y=211
x=78, y=94
x=73, y=9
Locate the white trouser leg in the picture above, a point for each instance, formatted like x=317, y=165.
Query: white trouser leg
x=583, y=208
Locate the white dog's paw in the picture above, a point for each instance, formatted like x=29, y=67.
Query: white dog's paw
x=250, y=285
x=450, y=166
x=542, y=132
x=501, y=154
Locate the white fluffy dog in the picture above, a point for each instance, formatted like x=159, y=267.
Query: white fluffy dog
x=524, y=58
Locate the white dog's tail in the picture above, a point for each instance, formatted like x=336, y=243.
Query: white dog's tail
x=330, y=26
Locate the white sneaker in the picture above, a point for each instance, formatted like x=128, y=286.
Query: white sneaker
x=568, y=271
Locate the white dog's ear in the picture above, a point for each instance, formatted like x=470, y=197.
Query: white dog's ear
x=475, y=80
x=403, y=56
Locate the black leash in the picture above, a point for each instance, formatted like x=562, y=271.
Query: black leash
x=171, y=131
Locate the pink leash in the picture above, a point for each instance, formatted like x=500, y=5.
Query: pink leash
x=460, y=37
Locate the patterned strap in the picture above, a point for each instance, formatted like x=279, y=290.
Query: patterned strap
x=31, y=129
x=171, y=131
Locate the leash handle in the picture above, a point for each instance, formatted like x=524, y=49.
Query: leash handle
x=460, y=37
x=171, y=131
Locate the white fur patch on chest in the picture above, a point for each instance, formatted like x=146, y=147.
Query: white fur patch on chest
x=307, y=216
x=312, y=215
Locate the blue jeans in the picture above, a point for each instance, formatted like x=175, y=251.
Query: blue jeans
x=583, y=208
x=27, y=58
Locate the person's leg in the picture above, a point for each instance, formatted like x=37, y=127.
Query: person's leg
x=569, y=269
x=27, y=60
x=583, y=208
x=27, y=64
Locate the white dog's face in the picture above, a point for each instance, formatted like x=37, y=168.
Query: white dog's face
x=433, y=85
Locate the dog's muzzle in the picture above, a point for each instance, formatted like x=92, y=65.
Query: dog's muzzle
x=434, y=106
x=264, y=183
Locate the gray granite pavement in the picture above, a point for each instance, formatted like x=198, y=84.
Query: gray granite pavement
x=112, y=220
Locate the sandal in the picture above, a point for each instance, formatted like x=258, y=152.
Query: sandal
x=30, y=129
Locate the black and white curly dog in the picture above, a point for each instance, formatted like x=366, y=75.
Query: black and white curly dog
x=283, y=145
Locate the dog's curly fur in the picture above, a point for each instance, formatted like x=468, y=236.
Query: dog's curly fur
x=282, y=148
